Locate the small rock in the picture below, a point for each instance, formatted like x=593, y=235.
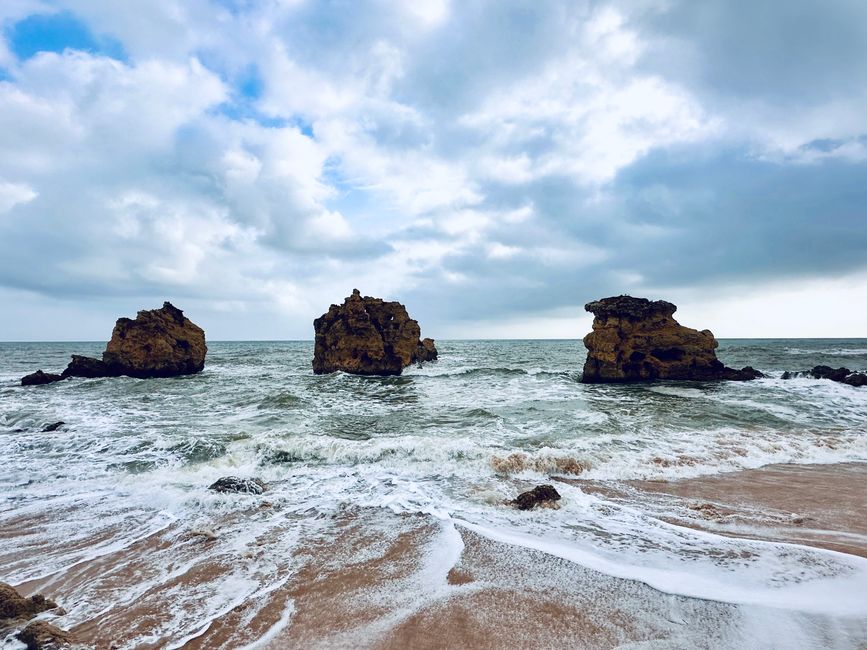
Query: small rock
x=40, y=635
x=53, y=427
x=85, y=367
x=38, y=378
x=539, y=495
x=238, y=485
x=206, y=533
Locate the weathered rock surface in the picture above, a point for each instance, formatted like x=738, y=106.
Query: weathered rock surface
x=13, y=605
x=40, y=635
x=38, y=378
x=238, y=485
x=158, y=343
x=842, y=375
x=85, y=367
x=635, y=339
x=544, y=495
x=368, y=336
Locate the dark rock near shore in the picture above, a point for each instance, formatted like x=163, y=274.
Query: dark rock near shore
x=15, y=606
x=38, y=378
x=238, y=485
x=635, y=339
x=40, y=635
x=53, y=427
x=158, y=343
x=539, y=495
x=368, y=336
x=85, y=367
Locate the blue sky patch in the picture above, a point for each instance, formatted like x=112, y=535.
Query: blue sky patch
x=56, y=33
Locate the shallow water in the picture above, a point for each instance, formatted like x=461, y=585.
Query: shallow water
x=453, y=439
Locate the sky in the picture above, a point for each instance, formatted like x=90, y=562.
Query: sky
x=494, y=165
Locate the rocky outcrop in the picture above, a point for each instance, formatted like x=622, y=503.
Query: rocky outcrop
x=842, y=375
x=40, y=635
x=157, y=343
x=15, y=606
x=541, y=495
x=368, y=336
x=38, y=378
x=238, y=485
x=635, y=339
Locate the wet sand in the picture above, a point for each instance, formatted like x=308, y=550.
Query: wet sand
x=372, y=578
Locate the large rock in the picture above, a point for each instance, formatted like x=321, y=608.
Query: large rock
x=635, y=339
x=842, y=375
x=40, y=635
x=158, y=343
x=368, y=336
x=85, y=367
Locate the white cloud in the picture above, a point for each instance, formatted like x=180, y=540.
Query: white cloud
x=12, y=194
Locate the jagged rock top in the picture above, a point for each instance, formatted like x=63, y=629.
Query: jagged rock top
x=629, y=307
x=368, y=336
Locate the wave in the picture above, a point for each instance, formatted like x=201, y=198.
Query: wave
x=836, y=352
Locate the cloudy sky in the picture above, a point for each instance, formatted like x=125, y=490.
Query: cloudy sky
x=493, y=165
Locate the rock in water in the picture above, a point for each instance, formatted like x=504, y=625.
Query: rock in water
x=635, y=339
x=238, y=485
x=53, y=427
x=40, y=635
x=38, y=378
x=842, y=375
x=85, y=367
x=158, y=343
x=368, y=336
x=539, y=495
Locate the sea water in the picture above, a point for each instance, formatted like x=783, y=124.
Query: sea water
x=454, y=439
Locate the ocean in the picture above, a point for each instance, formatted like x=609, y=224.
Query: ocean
x=386, y=512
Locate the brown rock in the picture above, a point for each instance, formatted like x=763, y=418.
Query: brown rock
x=634, y=339
x=14, y=605
x=368, y=336
x=539, y=495
x=842, y=375
x=40, y=635
x=38, y=378
x=158, y=343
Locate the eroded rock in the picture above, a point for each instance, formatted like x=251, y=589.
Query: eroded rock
x=541, y=495
x=635, y=339
x=38, y=378
x=238, y=485
x=368, y=336
x=158, y=343
x=40, y=635
x=87, y=367
x=13, y=605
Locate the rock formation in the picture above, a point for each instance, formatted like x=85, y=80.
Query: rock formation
x=368, y=336
x=158, y=343
x=842, y=375
x=544, y=495
x=635, y=339
x=40, y=635
x=14, y=606
x=238, y=485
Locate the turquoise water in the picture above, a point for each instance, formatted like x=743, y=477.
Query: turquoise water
x=453, y=439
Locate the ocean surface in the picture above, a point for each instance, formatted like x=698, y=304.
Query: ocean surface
x=453, y=439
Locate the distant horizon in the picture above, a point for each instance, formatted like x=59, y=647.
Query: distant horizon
x=458, y=340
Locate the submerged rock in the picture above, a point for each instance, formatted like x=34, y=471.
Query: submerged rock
x=635, y=339
x=158, y=343
x=238, y=485
x=40, y=635
x=13, y=605
x=544, y=495
x=38, y=378
x=53, y=427
x=368, y=336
